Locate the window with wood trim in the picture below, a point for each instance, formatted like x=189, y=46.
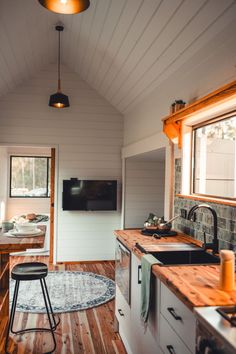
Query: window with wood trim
x=214, y=158
x=30, y=176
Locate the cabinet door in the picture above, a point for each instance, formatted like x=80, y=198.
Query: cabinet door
x=144, y=340
x=122, y=312
x=170, y=341
x=180, y=318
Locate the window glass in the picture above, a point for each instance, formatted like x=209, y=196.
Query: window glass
x=214, y=165
x=30, y=176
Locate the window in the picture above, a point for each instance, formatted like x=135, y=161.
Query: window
x=30, y=176
x=214, y=158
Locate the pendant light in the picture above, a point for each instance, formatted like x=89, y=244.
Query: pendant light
x=68, y=7
x=58, y=99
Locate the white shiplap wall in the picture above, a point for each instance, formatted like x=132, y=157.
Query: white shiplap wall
x=144, y=191
x=88, y=137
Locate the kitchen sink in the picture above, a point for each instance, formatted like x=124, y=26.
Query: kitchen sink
x=196, y=257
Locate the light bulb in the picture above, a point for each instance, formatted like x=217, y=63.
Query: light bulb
x=63, y=1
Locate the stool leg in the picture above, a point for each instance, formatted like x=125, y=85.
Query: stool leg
x=12, y=314
x=49, y=318
x=50, y=306
x=13, y=308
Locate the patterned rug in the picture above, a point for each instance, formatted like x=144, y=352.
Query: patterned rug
x=68, y=291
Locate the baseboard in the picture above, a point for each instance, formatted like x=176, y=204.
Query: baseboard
x=83, y=262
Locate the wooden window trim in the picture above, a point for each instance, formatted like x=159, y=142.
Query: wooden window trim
x=208, y=199
x=212, y=99
x=172, y=124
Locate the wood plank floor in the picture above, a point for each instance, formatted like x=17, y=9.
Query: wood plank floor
x=89, y=331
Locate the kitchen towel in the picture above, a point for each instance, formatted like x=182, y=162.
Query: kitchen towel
x=147, y=262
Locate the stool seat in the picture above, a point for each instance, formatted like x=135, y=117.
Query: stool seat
x=32, y=271
x=29, y=271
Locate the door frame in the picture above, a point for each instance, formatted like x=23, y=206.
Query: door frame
x=52, y=204
x=54, y=221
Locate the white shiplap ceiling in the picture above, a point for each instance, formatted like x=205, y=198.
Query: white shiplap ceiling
x=123, y=48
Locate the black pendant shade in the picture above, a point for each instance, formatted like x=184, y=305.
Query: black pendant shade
x=58, y=99
x=68, y=7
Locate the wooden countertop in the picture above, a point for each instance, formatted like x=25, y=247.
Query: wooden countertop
x=16, y=244
x=194, y=285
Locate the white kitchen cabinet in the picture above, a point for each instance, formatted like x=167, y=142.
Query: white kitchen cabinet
x=122, y=312
x=170, y=342
x=179, y=317
x=144, y=340
x=171, y=325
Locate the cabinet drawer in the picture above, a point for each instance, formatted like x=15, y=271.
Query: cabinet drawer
x=122, y=310
x=180, y=318
x=169, y=341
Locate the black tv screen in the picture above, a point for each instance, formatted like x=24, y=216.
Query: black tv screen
x=89, y=195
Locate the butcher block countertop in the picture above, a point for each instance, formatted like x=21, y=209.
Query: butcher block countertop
x=194, y=285
x=17, y=244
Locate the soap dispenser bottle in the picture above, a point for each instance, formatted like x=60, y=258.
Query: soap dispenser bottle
x=227, y=270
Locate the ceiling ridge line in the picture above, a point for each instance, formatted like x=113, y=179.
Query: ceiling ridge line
x=78, y=37
x=135, y=44
x=112, y=35
x=129, y=27
x=90, y=30
x=99, y=37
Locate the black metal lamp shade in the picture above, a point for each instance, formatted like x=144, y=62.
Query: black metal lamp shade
x=59, y=100
x=68, y=7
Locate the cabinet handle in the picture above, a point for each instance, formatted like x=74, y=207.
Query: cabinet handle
x=170, y=349
x=139, y=275
x=174, y=314
x=120, y=312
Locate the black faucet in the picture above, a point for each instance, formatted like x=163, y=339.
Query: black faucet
x=214, y=246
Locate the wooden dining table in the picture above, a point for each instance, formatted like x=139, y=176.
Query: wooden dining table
x=8, y=245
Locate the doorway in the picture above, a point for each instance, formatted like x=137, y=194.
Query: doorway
x=28, y=187
x=144, y=187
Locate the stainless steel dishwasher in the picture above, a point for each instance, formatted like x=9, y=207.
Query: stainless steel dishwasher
x=123, y=268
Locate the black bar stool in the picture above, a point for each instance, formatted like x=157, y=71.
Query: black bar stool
x=26, y=272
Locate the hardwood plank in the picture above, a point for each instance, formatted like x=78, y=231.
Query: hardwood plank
x=83, y=332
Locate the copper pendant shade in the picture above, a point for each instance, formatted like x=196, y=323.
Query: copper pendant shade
x=68, y=7
x=58, y=99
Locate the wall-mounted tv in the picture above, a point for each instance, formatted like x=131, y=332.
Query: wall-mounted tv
x=89, y=195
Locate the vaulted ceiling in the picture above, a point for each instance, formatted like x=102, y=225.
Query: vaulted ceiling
x=123, y=48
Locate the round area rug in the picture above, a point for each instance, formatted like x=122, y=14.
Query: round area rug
x=68, y=291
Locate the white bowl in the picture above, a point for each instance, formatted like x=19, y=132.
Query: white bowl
x=26, y=227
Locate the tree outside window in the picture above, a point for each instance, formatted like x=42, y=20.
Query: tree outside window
x=215, y=159
x=30, y=176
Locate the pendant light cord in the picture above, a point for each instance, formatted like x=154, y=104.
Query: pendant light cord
x=59, y=61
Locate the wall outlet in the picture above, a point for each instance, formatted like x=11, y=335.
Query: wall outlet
x=183, y=213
